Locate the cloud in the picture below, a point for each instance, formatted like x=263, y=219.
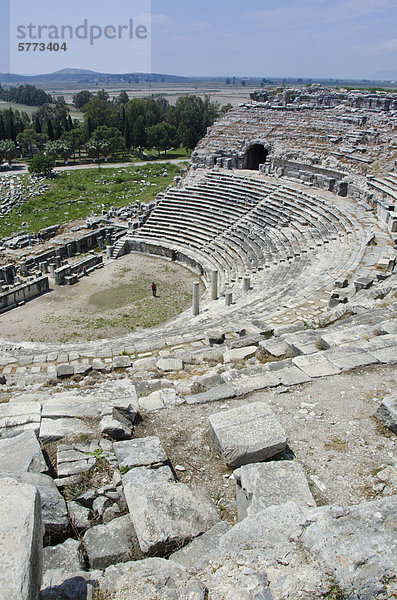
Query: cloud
x=383, y=47
x=312, y=12
x=160, y=19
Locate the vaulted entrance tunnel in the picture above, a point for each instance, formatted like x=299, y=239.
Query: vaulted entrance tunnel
x=255, y=156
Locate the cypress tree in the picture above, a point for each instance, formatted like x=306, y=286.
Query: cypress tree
x=2, y=129
x=37, y=125
x=11, y=134
x=50, y=130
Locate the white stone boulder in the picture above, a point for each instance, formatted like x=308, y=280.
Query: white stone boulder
x=247, y=434
x=21, y=541
x=166, y=515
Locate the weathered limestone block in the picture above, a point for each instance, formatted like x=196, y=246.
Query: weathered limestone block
x=169, y=364
x=146, y=475
x=22, y=453
x=166, y=515
x=195, y=555
x=140, y=452
x=260, y=485
x=67, y=556
x=116, y=426
x=18, y=417
x=112, y=543
x=79, y=515
x=151, y=578
x=237, y=354
x=387, y=413
x=358, y=544
x=21, y=540
x=121, y=362
x=246, y=434
x=53, y=506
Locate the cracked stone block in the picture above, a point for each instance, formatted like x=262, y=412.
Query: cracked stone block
x=246, y=434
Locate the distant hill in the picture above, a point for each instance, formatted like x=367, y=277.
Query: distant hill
x=83, y=76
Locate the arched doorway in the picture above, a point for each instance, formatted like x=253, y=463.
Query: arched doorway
x=255, y=156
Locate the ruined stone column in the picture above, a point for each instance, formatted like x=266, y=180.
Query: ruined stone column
x=43, y=266
x=196, y=298
x=52, y=269
x=246, y=283
x=228, y=298
x=109, y=251
x=214, y=285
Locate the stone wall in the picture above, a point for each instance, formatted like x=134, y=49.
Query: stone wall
x=22, y=293
x=90, y=263
x=7, y=274
x=328, y=179
x=136, y=245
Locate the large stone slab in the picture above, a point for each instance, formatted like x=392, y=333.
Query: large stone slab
x=53, y=506
x=18, y=417
x=52, y=430
x=238, y=354
x=151, y=578
x=350, y=358
x=387, y=413
x=260, y=485
x=169, y=364
x=220, y=392
x=112, y=543
x=358, y=545
x=21, y=535
x=140, y=452
x=246, y=434
x=288, y=373
x=22, y=453
x=67, y=556
x=146, y=475
x=316, y=365
x=383, y=348
x=194, y=556
x=166, y=515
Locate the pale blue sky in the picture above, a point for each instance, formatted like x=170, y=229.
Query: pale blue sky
x=296, y=38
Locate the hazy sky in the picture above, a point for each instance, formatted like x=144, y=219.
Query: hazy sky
x=307, y=38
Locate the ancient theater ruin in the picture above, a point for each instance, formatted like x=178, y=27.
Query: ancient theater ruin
x=246, y=448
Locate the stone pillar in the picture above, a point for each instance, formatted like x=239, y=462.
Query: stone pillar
x=246, y=283
x=69, y=250
x=52, y=269
x=58, y=262
x=109, y=251
x=214, y=285
x=196, y=298
x=43, y=266
x=228, y=298
x=23, y=269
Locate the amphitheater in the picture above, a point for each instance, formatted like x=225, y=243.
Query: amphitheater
x=245, y=449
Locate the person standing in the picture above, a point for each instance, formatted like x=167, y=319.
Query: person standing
x=154, y=289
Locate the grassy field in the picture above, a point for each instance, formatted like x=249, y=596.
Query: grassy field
x=78, y=194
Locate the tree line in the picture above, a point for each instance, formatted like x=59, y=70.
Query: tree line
x=25, y=94
x=108, y=127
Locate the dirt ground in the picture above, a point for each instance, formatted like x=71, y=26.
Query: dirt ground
x=109, y=302
x=330, y=428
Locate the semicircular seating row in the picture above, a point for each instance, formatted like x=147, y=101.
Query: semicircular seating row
x=289, y=242
x=386, y=185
